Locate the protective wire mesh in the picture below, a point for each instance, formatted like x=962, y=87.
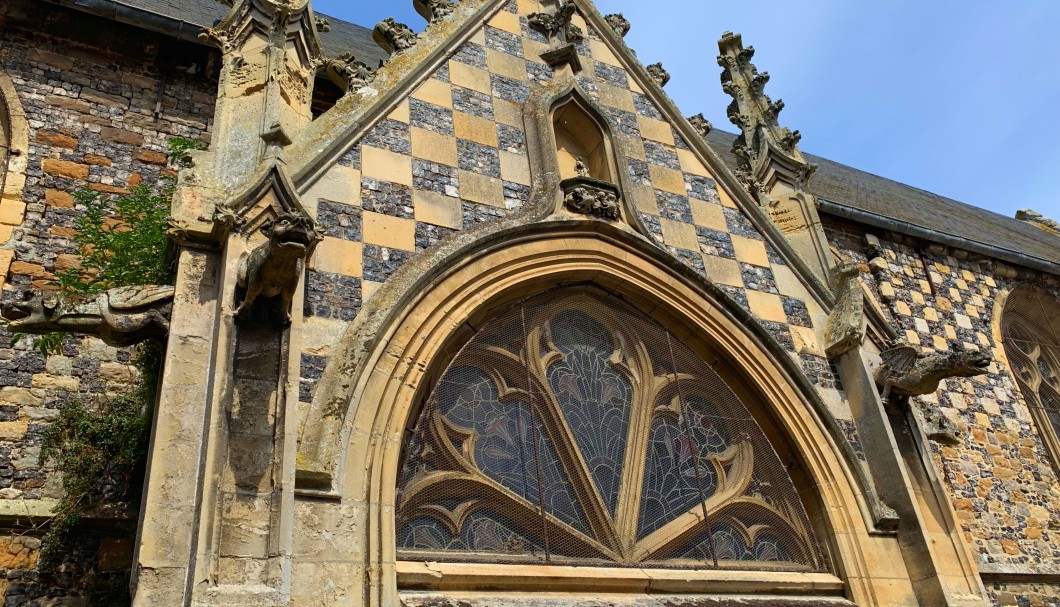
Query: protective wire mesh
x=1031, y=335
x=574, y=429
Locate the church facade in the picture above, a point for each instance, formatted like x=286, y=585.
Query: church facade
x=476, y=316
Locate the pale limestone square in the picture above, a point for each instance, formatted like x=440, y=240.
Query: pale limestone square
x=722, y=270
x=708, y=215
x=433, y=146
x=749, y=250
x=656, y=130
x=339, y=184
x=474, y=128
x=667, y=180
x=390, y=232
x=337, y=256
x=679, y=234
x=506, y=65
x=435, y=92
x=766, y=306
x=386, y=165
x=469, y=77
x=482, y=189
x=515, y=167
x=438, y=209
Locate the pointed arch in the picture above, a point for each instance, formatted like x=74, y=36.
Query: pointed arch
x=385, y=373
x=14, y=146
x=582, y=136
x=1030, y=336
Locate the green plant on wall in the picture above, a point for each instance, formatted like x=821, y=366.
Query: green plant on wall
x=99, y=444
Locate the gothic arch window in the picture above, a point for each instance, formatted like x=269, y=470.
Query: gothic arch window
x=572, y=428
x=1030, y=328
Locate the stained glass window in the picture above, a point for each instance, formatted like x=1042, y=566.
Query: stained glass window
x=574, y=429
x=1031, y=334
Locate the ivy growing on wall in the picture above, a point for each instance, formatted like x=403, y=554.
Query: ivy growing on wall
x=99, y=443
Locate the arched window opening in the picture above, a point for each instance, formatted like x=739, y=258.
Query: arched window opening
x=1030, y=327
x=574, y=429
x=581, y=148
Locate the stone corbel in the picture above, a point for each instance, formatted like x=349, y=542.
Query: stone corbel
x=588, y=196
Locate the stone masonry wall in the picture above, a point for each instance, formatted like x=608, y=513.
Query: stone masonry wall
x=101, y=100
x=1002, y=481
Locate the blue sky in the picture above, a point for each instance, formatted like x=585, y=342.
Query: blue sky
x=957, y=98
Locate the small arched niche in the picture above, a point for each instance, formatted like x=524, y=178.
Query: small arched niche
x=580, y=138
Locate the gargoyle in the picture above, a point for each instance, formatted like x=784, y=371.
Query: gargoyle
x=274, y=267
x=121, y=316
x=845, y=327
x=907, y=372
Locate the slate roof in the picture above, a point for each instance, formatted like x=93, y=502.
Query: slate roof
x=874, y=199
x=849, y=187
x=184, y=18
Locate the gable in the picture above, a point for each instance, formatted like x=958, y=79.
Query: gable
x=452, y=153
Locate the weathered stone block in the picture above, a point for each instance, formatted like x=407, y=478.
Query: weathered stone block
x=65, y=168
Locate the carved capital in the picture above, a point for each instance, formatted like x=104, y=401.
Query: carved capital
x=658, y=74
x=433, y=10
x=589, y=196
x=393, y=37
x=618, y=23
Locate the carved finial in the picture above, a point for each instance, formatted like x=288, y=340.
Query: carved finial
x=618, y=23
x=558, y=24
x=433, y=10
x=323, y=25
x=701, y=124
x=768, y=152
x=347, y=72
x=658, y=74
x=393, y=37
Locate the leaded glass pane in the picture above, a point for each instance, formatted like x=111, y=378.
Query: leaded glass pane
x=573, y=428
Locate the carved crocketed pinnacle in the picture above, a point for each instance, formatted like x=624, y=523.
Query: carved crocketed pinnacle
x=618, y=23
x=558, y=24
x=393, y=37
x=433, y=10
x=701, y=124
x=658, y=74
x=768, y=151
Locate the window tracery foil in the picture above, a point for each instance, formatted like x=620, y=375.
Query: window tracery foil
x=574, y=429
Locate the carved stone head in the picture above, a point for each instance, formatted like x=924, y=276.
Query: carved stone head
x=294, y=233
x=33, y=309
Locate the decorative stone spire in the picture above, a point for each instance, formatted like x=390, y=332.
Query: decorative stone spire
x=271, y=51
x=768, y=151
x=771, y=165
